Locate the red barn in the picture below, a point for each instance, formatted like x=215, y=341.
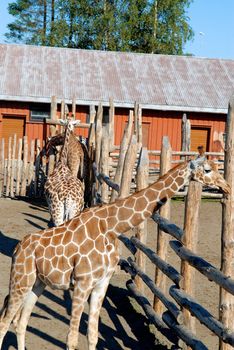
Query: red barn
x=165, y=86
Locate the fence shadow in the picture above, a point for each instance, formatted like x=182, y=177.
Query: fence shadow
x=7, y=244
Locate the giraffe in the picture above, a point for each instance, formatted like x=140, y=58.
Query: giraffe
x=64, y=192
x=84, y=250
x=78, y=160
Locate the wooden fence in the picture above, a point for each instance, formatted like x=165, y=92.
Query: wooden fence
x=23, y=172
x=176, y=322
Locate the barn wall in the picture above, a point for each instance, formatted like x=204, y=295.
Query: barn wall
x=168, y=123
x=156, y=124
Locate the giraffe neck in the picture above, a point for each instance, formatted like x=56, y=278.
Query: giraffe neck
x=64, y=150
x=136, y=208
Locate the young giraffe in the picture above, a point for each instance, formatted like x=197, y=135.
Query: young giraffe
x=78, y=160
x=84, y=250
x=64, y=192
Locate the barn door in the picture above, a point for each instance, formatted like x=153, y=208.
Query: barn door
x=200, y=137
x=10, y=126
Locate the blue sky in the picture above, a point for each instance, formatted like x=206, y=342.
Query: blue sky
x=211, y=20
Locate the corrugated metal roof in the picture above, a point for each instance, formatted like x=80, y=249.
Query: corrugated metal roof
x=35, y=73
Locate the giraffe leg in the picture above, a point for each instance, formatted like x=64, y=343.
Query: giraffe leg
x=80, y=296
x=96, y=300
x=11, y=308
x=22, y=317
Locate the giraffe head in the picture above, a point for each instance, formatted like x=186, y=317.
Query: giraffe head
x=206, y=172
x=70, y=123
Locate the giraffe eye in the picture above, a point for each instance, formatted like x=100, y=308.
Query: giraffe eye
x=207, y=171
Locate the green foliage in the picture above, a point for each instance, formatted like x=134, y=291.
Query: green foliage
x=151, y=26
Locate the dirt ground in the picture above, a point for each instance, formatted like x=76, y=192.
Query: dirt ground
x=122, y=323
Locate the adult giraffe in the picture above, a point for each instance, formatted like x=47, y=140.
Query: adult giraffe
x=64, y=192
x=84, y=250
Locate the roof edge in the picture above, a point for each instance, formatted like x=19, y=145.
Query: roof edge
x=117, y=104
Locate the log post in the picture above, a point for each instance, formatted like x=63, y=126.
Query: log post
x=8, y=176
x=74, y=107
x=227, y=300
x=162, y=238
x=92, y=114
x=140, y=133
x=112, y=124
x=122, y=153
x=24, y=170
x=190, y=238
x=141, y=231
x=98, y=138
x=104, y=163
x=129, y=164
x=2, y=160
x=136, y=119
x=19, y=168
x=53, y=115
x=13, y=167
x=186, y=134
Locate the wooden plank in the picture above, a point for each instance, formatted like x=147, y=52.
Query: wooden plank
x=226, y=306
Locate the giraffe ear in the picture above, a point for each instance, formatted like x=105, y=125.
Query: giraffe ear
x=192, y=164
x=62, y=121
x=75, y=122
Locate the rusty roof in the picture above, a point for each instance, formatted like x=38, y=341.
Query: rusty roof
x=35, y=73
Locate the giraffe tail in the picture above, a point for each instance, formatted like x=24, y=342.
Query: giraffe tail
x=4, y=308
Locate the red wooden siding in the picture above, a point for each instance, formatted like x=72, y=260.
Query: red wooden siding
x=156, y=124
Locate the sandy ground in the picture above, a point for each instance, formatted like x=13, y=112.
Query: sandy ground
x=122, y=323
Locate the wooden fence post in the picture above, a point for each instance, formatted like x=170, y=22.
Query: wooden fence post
x=24, y=170
x=136, y=119
x=190, y=238
x=129, y=164
x=13, y=167
x=98, y=138
x=8, y=175
x=104, y=163
x=19, y=168
x=140, y=133
x=122, y=153
x=186, y=134
x=162, y=238
x=53, y=114
x=74, y=107
x=2, y=160
x=142, y=178
x=227, y=300
x=112, y=124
